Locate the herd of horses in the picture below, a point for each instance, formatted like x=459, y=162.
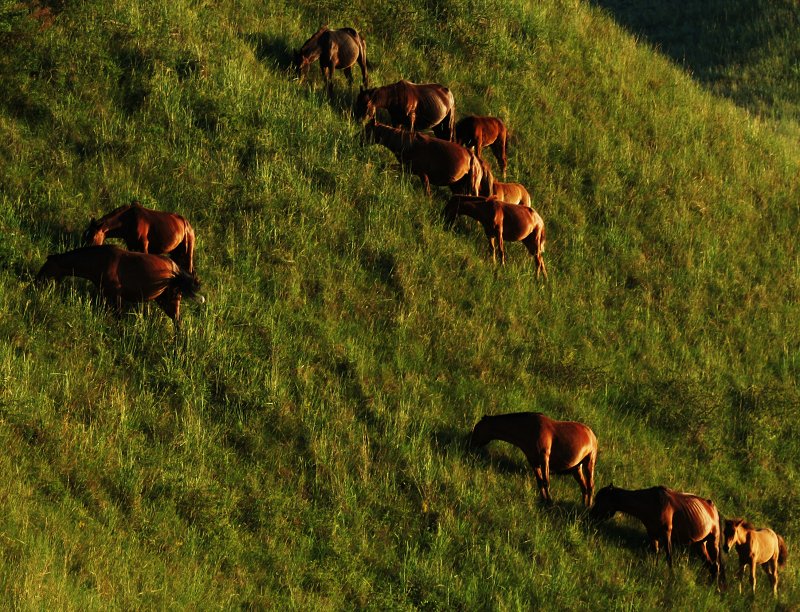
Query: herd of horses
x=158, y=265
x=452, y=157
x=669, y=517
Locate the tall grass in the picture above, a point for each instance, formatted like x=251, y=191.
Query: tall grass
x=302, y=442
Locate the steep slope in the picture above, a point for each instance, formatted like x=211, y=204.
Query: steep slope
x=302, y=442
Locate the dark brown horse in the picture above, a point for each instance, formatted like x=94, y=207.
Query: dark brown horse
x=669, y=517
x=434, y=160
x=502, y=222
x=146, y=231
x=335, y=49
x=122, y=275
x=513, y=193
x=479, y=132
x=755, y=547
x=415, y=107
x=561, y=447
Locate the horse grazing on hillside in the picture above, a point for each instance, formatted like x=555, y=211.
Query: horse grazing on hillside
x=561, y=447
x=413, y=106
x=146, y=231
x=122, y=275
x=669, y=517
x=434, y=160
x=334, y=49
x=502, y=221
x=513, y=193
x=479, y=132
x=755, y=547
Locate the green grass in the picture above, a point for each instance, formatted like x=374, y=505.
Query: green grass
x=301, y=443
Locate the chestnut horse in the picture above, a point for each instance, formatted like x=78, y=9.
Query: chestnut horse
x=513, y=193
x=415, y=107
x=755, y=547
x=435, y=161
x=122, y=275
x=669, y=517
x=334, y=49
x=502, y=221
x=146, y=231
x=479, y=132
x=561, y=447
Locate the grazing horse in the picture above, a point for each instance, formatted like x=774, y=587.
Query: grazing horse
x=334, y=49
x=755, y=547
x=415, y=107
x=513, y=193
x=146, y=231
x=122, y=275
x=435, y=161
x=669, y=517
x=479, y=132
x=502, y=221
x=560, y=447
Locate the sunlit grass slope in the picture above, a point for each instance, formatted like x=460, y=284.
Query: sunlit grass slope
x=301, y=443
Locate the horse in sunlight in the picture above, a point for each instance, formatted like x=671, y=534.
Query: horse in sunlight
x=560, y=447
x=669, y=517
x=513, y=193
x=434, y=160
x=476, y=131
x=126, y=276
x=502, y=222
x=335, y=49
x=146, y=231
x=412, y=106
x=755, y=547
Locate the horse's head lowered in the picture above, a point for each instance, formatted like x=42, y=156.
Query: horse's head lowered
x=188, y=285
x=481, y=434
x=94, y=234
x=365, y=107
x=604, y=507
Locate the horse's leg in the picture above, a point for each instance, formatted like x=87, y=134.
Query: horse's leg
x=589, y=468
x=668, y=538
x=773, y=574
x=426, y=184
x=753, y=572
x=581, y=478
x=348, y=72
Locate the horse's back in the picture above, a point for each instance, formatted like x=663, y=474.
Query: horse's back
x=693, y=517
x=433, y=101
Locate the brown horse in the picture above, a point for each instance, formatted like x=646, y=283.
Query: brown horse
x=479, y=132
x=126, y=276
x=415, y=107
x=669, y=517
x=561, y=447
x=146, y=231
x=334, y=49
x=502, y=221
x=434, y=160
x=513, y=193
x=755, y=547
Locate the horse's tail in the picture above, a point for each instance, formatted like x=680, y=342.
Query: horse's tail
x=188, y=246
x=451, y=128
x=475, y=173
x=783, y=552
x=722, y=580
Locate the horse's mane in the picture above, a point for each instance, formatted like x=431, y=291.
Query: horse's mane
x=312, y=42
x=118, y=211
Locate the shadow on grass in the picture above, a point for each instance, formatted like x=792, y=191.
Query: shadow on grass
x=710, y=38
x=269, y=48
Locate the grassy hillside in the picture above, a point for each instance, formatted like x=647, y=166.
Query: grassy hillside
x=302, y=442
